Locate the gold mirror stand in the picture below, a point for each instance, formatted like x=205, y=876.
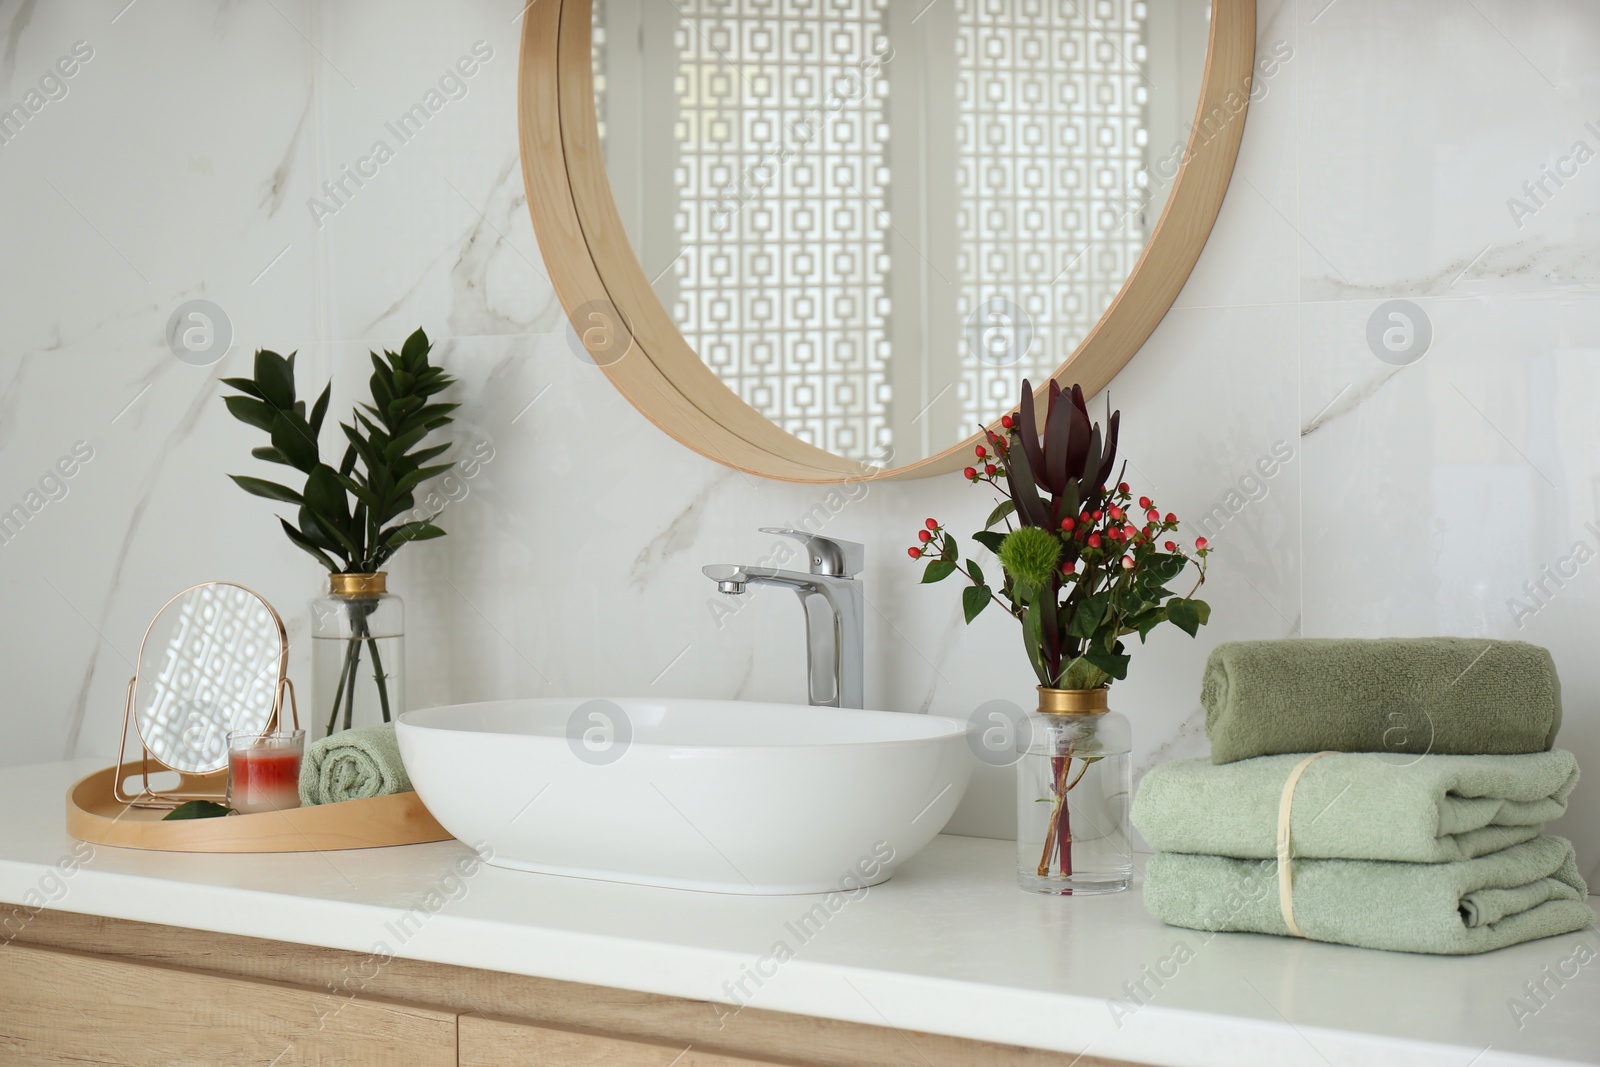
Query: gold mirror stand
x=211, y=785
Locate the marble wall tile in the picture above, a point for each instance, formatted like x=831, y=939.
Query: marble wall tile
x=1344, y=494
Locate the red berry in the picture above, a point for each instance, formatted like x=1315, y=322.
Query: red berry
x=1201, y=542
x=1153, y=515
x=971, y=473
x=1067, y=524
x=1144, y=502
x=1098, y=515
x=1113, y=533
x=1084, y=518
x=924, y=536
x=1129, y=529
x=1127, y=563
x=990, y=469
x=1068, y=567
x=1170, y=517
x=914, y=552
x=1171, y=546
x=932, y=524
x=1123, y=488
x=1094, y=540
x=980, y=451
x=1007, y=421
x=1116, y=512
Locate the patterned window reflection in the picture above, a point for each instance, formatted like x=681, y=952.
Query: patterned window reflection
x=1051, y=145
x=782, y=183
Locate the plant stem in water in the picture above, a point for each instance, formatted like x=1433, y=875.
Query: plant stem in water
x=346, y=677
x=379, y=677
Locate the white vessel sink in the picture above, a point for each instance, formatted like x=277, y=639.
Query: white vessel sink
x=715, y=795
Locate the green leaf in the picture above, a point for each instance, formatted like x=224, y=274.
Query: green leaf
x=938, y=571
x=271, y=455
x=248, y=409
x=304, y=542
x=1091, y=612
x=1188, y=615
x=401, y=408
x=395, y=536
x=196, y=809
x=1044, y=605
x=435, y=414
x=275, y=379
x=420, y=475
x=325, y=496
x=950, y=551
x=320, y=411
x=398, y=505
x=359, y=491
x=312, y=529
x=415, y=351
x=1002, y=510
x=1031, y=640
x=422, y=455
x=402, y=444
x=990, y=539
x=1147, y=620
x=1113, y=663
x=974, y=598
x=292, y=437
x=270, y=490
x=976, y=571
x=244, y=385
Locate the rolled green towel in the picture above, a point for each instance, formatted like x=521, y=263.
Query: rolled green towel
x=353, y=765
x=1362, y=805
x=1520, y=893
x=1445, y=695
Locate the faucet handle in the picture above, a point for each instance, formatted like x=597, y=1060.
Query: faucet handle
x=843, y=559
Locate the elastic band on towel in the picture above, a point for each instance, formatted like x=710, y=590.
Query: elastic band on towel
x=1285, y=872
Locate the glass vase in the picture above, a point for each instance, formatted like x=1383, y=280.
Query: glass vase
x=357, y=654
x=1074, y=783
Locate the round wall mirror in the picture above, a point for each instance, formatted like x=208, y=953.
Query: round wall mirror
x=212, y=661
x=828, y=239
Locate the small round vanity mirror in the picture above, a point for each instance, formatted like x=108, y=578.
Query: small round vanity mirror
x=212, y=661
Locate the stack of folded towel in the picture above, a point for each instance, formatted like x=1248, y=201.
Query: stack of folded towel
x=1388, y=794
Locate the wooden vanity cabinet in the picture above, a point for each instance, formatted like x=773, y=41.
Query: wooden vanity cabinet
x=70, y=1008
x=79, y=990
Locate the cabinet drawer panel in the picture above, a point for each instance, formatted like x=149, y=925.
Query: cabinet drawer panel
x=491, y=1043
x=64, y=1008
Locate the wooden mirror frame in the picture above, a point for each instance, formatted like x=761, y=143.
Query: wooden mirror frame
x=626, y=330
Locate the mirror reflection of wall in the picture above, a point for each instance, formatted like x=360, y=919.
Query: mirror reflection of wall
x=873, y=218
x=209, y=664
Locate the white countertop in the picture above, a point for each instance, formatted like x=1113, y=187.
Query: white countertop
x=949, y=946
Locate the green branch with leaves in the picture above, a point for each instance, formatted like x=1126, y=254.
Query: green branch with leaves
x=354, y=517
x=346, y=518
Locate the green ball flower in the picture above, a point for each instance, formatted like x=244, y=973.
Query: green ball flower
x=1030, y=555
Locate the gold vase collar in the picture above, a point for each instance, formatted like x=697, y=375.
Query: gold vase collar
x=1073, y=701
x=358, y=584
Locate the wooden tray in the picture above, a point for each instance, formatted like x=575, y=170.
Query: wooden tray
x=95, y=815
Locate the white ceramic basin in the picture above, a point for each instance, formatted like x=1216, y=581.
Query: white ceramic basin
x=716, y=795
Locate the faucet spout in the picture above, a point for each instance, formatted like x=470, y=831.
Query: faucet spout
x=835, y=610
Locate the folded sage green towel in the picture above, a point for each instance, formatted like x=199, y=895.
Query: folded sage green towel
x=1520, y=893
x=353, y=765
x=1445, y=695
x=1361, y=805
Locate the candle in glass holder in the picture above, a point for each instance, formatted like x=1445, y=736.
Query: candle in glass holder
x=264, y=771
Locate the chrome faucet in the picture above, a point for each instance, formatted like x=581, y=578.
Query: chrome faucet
x=834, y=606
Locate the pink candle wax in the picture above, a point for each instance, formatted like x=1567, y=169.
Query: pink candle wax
x=264, y=779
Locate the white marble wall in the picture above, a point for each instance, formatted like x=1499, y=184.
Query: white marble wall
x=1378, y=165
